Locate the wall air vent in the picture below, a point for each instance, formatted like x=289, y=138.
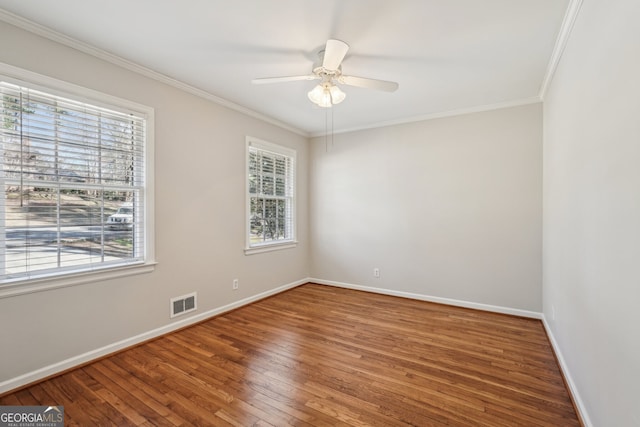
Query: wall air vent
x=182, y=305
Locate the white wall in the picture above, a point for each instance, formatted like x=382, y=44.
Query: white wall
x=592, y=210
x=447, y=208
x=200, y=208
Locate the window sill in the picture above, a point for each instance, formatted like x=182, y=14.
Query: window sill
x=270, y=247
x=73, y=279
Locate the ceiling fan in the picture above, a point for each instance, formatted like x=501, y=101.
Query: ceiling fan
x=329, y=71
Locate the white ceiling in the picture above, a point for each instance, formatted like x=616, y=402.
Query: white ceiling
x=446, y=55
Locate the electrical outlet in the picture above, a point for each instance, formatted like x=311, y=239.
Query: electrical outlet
x=376, y=273
x=235, y=284
x=553, y=312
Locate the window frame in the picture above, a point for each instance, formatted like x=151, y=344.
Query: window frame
x=73, y=277
x=277, y=244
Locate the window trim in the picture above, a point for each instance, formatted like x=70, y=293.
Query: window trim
x=279, y=244
x=62, y=88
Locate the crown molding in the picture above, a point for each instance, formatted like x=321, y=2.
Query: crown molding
x=439, y=115
x=561, y=42
x=63, y=39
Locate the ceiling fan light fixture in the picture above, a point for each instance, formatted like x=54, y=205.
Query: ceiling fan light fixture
x=316, y=95
x=329, y=71
x=337, y=96
x=326, y=95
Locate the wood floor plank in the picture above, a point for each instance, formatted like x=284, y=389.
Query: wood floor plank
x=119, y=393
x=157, y=413
x=318, y=356
x=263, y=395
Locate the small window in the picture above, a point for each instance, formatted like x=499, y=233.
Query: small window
x=270, y=196
x=73, y=179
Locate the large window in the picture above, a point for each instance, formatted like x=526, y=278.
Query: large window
x=73, y=185
x=270, y=196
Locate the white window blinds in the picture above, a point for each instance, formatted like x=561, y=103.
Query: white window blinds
x=73, y=184
x=271, y=194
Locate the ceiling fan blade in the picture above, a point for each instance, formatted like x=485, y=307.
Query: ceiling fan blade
x=368, y=83
x=267, y=80
x=334, y=53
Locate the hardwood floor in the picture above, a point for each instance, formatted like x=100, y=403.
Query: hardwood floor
x=324, y=356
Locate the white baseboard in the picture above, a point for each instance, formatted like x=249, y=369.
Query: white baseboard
x=81, y=359
x=573, y=389
x=440, y=300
